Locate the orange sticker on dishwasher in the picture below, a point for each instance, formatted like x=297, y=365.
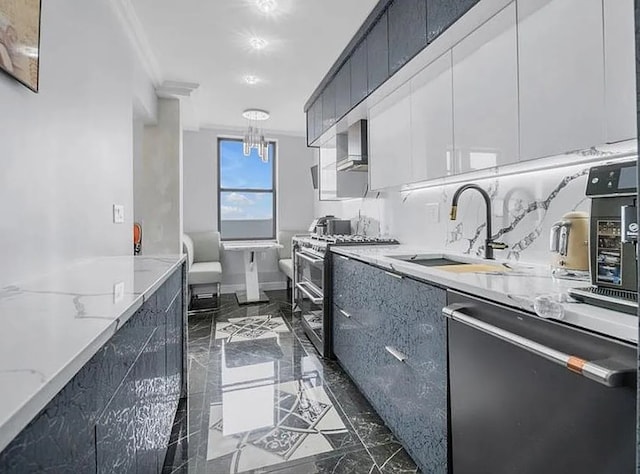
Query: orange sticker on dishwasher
x=576, y=364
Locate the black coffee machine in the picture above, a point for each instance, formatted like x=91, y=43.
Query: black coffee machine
x=613, y=238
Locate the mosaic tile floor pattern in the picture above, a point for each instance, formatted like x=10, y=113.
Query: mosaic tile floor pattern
x=262, y=401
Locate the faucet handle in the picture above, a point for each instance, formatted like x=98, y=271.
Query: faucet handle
x=497, y=245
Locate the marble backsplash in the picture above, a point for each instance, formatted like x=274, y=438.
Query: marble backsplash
x=525, y=206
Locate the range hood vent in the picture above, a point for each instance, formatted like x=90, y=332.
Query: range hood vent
x=352, y=148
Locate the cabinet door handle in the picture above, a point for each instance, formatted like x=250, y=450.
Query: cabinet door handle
x=395, y=353
x=394, y=275
x=342, y=257
x=344, y=313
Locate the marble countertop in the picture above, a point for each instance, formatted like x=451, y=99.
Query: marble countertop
x=517, y=286
x=51, y=326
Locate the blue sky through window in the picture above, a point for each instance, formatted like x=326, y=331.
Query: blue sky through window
x=244, y=172
x=246, y=206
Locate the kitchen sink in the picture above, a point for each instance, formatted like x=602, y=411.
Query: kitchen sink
x=450, y=265
x=429, y=261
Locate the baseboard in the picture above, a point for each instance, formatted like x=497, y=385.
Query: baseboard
x=264, y=286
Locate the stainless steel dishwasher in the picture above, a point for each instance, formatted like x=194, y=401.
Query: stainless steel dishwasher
x=530, y=396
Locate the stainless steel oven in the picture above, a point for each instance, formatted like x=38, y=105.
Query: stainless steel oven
x=308, y=294
x=312, y=283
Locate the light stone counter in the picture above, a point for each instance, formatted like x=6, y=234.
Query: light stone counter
x=517, y=286
x=51, y=326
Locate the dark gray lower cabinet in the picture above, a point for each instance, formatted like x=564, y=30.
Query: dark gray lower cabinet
x=390, y=336
x=116, y=414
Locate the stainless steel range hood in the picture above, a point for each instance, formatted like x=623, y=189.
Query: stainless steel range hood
x=352, y=148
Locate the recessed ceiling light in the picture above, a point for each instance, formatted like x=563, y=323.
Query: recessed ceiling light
x=258, y=43
x=266, y=6
x=251, y=80
x=256, y=114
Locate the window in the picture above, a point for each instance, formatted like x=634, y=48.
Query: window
x=246, y=192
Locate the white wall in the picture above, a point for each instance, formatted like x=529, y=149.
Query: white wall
x=294, y=194
x=67, y=152
x=525, y=206
x=158, y=182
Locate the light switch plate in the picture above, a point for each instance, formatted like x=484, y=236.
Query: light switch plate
x=118, y=292
x=433, y=212
x=118, y=214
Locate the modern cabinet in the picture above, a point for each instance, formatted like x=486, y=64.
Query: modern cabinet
x=343, y=90
x=432, y=121
x=317, y=117
x=378, y=54
x=359, y=80
x=620, y=70
x=407, y=31
x=329, y=106
x=443, y=13
x=390, y=140
x=390, y=337
x=561, y=76
x=485, y=95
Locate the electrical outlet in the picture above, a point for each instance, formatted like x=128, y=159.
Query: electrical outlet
x=118, y=292
x=433, y=212
x=118, y=214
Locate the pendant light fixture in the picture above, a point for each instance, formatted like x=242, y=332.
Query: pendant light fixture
x=254, y=136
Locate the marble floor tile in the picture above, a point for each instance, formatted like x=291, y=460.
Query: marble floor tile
x=262, y=400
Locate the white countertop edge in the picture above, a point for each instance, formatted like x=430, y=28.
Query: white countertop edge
x=599, y=320
x=31, y=407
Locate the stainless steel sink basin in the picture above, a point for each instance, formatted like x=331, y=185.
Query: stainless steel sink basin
x=428, y=261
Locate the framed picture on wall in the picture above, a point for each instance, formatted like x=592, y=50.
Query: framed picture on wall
x=20, y=40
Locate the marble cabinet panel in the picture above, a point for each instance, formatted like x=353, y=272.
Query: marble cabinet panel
x=378, y=54
x=116, y=413
x=388, y=315
x=358, y=66
x=407, y=31
x=343, y=90
x=443, y=13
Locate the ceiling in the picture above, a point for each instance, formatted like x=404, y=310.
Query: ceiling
x=207, y=42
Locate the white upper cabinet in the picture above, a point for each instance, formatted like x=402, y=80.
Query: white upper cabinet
x=561, y=56
x=390, y=140
x=620, y=70
x=485, y=94
x=432, y=121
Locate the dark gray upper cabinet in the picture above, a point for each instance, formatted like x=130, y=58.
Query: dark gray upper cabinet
x=317, y=114
x=310, y=126
x=443, y=13
x=407, y=31
x=343, y=90
x=378, y=54
x=329, y=105
x=358, y=66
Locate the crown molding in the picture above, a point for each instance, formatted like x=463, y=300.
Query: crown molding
x=135, y=32
x=176, y=89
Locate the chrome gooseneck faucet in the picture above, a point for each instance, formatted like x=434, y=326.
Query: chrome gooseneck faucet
x=489, y=244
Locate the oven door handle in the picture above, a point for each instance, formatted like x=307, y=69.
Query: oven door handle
x=315, y=299
x=309, y=258
x=593, y=370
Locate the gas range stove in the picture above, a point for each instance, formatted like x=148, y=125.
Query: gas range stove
x=319, y=243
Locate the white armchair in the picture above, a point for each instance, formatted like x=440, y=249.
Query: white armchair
x=203, y=255
x=285, y=261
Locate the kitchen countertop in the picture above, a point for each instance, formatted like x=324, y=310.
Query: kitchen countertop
x=517, y=287
x=51, y=326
